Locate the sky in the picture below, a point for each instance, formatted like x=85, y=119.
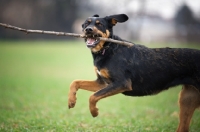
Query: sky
x=165, y=8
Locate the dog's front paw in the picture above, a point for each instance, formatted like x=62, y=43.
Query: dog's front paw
x=71, y=101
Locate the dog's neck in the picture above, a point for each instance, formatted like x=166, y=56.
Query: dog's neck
x=107, y=45
x=107, y=50
x=103, y=50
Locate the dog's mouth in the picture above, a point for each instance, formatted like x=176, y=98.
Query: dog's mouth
x=92, y=40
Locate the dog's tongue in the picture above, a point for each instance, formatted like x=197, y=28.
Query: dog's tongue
x=90, y=41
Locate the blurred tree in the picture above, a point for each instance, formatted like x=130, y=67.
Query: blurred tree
x=57, y=15
x=187, y=27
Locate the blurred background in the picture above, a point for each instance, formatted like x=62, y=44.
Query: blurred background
x=150, y=20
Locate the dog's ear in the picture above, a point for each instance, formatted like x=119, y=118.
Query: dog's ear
x=113, y=19
x=96, y=15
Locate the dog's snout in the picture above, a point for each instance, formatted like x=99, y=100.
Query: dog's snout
x=88, y=29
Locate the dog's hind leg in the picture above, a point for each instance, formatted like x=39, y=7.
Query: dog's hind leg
x=189, y=100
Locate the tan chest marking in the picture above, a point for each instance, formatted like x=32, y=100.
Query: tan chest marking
x=102, y=72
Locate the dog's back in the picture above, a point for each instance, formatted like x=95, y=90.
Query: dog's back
x=160, y=68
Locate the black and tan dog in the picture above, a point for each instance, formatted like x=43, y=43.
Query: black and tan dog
x=137, y=70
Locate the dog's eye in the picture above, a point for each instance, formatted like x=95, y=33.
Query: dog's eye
x=99, y=24
x=85, y=25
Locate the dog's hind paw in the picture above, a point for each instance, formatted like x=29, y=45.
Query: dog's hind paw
x=94, y=112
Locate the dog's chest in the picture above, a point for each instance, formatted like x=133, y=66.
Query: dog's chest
x=103, y=72
x=98, y=72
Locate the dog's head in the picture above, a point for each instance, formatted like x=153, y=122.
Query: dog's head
x=96, y=26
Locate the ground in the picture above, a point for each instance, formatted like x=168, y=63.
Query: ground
x=34, y=83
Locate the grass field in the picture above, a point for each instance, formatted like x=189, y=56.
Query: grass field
x=34, y=82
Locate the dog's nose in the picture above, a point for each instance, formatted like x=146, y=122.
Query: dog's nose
x=88, y=29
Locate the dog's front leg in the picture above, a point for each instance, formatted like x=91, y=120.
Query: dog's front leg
x=111, y=89
x=82, y=84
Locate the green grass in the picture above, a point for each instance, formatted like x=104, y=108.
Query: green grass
x=34, y=83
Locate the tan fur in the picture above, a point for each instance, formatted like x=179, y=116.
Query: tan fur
x=101, y=43
x=82, y=84
x=97, y=21
x=114, y=22
x=104, y=73
x=189, y=100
